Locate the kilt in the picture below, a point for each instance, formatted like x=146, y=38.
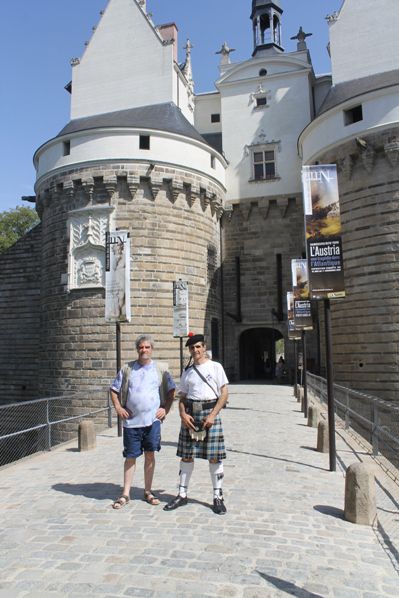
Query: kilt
x=210, y=448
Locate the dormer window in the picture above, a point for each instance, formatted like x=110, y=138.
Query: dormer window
x=261, y=101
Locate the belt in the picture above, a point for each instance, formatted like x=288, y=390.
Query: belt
x=203, y=404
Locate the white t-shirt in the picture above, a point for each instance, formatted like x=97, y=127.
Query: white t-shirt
x=196, y=389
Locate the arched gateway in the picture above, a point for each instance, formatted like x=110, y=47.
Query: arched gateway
x=258, y=353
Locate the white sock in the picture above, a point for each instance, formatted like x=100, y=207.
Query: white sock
x=186, y=469
x=217, y=475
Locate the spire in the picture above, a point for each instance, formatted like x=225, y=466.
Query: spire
x=187, y=68
x=225, y=52
x=266, y=24
x=301, y=37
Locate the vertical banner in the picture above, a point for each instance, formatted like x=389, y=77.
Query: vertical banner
x=293, y=334
x=117, y=277
x=323, y=231
x=180, y=308
x=300, y=286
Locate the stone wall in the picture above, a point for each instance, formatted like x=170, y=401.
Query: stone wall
x=256, y=232
x=366, y=323
x=20, y=273
x=173, y=220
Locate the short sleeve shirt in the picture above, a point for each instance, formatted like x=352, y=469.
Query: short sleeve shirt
x=143, y=398
x=196, y=389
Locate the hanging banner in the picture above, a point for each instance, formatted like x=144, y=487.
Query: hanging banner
x=300, y=286
x=323, y=231
x=180, y=308
x=117, y=277
x=293, y=334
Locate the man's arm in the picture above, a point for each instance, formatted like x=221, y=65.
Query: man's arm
x=221, y=402
x=123, y=413
x=186, y=419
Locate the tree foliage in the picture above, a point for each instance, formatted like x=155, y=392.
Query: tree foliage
x=14, y=224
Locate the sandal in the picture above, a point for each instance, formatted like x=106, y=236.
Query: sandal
x=120, y=502
x=150, y=498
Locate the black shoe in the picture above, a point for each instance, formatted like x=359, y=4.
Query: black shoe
x=179, y=501
x=219, y=506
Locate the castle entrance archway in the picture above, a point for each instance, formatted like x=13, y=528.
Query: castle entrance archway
x=258, y=353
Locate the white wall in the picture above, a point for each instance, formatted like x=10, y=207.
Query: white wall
x=124, y=66
x=364, y=40
x=205, y=105
x=288, y=112
x=380, y=110
x=123, y=145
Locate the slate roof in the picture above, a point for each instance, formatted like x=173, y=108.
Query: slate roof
x=165, y=117
x=351, y=89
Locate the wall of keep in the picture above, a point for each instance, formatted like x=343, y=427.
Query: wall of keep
x=172, y=226
x=366, y=323
x=20, y=273
x=256, y=232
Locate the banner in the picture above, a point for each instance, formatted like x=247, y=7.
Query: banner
x=117, y=277
x=180, y=308
x=293, y=334
x=300, y=286
x=323, y=231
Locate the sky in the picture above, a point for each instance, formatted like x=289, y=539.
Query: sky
x=40, y=37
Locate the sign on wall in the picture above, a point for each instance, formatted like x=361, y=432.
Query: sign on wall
x=180, y=308
x=293, y=334
x=323, y=231
x=117, y=277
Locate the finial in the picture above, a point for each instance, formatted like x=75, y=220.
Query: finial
x=74, y=61
x=225, y=52
x=301, y=37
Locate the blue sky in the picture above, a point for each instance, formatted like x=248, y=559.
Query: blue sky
x=39, y=37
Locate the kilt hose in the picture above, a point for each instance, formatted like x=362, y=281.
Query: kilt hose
x=210, y=448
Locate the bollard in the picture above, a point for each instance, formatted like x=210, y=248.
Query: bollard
x=360, y=498
x=86, y=435
x=298, y=393
x=323, y=445
x=301, y=396
x=313, y=416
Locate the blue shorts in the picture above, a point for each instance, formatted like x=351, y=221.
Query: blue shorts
x=137, y=440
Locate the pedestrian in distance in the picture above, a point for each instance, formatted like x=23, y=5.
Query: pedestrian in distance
x=142, y=394
x=202, y=395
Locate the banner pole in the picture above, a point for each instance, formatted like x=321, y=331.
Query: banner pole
x=304, y=366
x=330, y=385
x=181, y=355
x=295, y=369
x=118, y=365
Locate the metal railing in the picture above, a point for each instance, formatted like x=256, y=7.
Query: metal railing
x=29, y=427
x=376, y=420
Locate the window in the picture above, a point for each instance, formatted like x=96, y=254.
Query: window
x=215, y=118
x=213, y=162
x=264, y=164
x=144, y=142
x=353, y=115
x=262, y=73
x=66, y=148
x=262, y=101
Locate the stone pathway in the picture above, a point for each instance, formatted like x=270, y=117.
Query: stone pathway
x=284, y=533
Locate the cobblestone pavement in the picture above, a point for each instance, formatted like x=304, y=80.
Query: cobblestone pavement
x=284, y=532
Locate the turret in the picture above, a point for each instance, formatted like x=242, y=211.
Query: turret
x=266, y=21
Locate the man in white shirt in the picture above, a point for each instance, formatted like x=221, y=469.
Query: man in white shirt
x=136, y=394
x=203, y=393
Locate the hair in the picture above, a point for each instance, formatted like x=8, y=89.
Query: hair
x=144, y=338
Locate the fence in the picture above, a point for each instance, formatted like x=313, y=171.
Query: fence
x=375, y=420
x=31, y=426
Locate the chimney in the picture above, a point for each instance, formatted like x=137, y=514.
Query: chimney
x=169, y=33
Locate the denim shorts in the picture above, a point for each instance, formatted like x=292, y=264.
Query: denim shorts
x=139, y=440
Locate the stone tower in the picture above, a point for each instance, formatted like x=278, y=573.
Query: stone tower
x=357, y=128
x=130, y=158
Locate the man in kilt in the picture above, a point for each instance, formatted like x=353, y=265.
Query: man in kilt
x=203, y=393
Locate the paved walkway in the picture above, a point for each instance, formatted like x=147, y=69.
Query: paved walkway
x=283, y=534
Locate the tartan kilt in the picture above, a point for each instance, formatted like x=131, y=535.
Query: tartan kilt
x=210, y=448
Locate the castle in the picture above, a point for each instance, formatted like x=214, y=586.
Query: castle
x=209, y=188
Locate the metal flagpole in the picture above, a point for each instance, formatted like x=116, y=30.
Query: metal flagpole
x=304, y=366
x=118, y=365
x=330, y=385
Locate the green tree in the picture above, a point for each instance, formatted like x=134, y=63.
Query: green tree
x=14, y=224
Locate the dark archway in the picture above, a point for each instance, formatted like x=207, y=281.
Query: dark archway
x=258, y=353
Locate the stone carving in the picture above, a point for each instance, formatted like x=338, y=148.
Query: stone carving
x=392, y=153
x=345, y=165
x=87, y=232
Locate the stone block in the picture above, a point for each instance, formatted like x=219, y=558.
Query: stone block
x=313, y=416
x=323, y=445
x=360, y=496
x=86, y=435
